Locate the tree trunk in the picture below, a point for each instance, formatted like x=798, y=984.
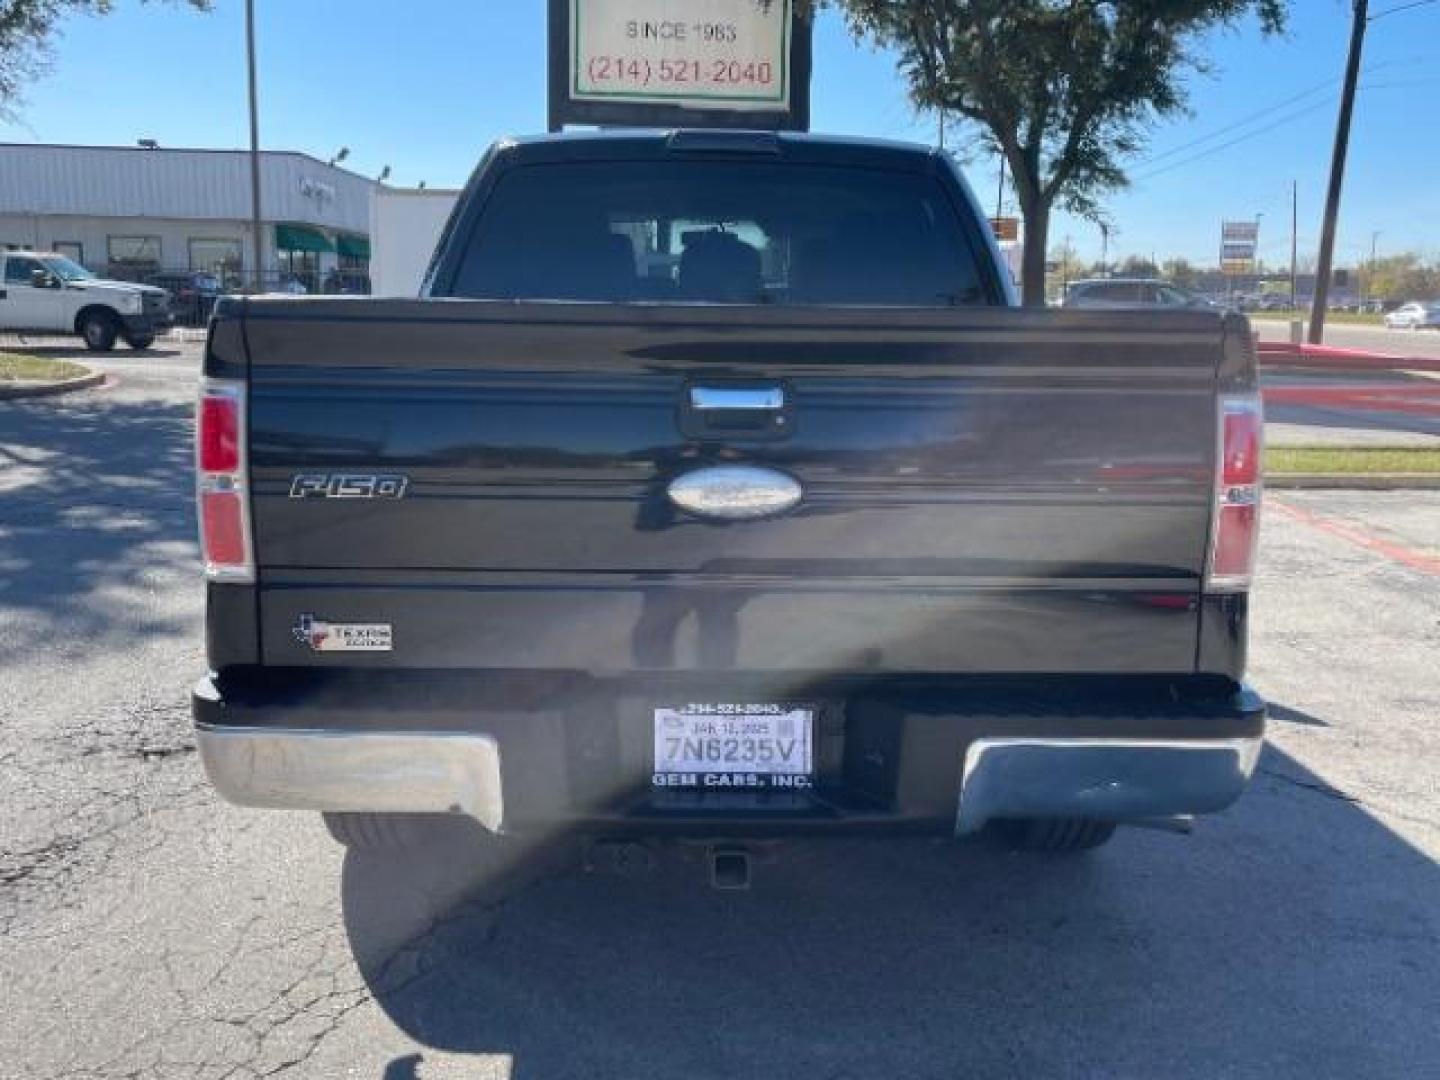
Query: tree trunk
x=1032, y=259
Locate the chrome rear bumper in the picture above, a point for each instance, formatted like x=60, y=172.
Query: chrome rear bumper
x=1101, y=779
x=299, y=769
x=442, y=772
x=411, y=745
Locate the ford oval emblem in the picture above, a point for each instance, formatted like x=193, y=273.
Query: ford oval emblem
x=735, y=492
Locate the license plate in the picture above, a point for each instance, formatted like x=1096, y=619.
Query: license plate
x=749, y=747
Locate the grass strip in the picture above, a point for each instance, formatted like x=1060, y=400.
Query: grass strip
x=1352, y=459
x=20, y=367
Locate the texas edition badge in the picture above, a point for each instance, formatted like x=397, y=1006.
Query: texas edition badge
x=323, y=636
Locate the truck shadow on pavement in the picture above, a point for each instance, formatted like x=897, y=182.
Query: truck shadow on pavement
x=96, y=497
x=1294, y=936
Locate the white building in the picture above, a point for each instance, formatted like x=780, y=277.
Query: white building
x=133, y=212
x=405, y=225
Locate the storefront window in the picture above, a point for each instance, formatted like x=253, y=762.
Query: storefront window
x=298, y=248
x=218, y=257
x=299, y=268
x=352, y=265
x=72, y=250
x=132, y=258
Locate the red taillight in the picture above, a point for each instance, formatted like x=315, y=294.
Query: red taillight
x=1240, y=440
x=222, y=528
x=218, y=433
x=1237, y=494
x=223, y=501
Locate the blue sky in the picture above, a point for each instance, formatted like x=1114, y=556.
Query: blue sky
x=425, y=86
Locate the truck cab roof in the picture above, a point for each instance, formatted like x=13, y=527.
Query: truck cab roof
x=645, y=144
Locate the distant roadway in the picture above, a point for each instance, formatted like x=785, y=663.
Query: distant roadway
x=1345, y=336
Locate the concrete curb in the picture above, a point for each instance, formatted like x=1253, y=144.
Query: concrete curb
x=1353, y=481
x=48, y=389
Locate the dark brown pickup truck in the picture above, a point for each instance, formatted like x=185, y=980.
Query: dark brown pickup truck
x=717, y=488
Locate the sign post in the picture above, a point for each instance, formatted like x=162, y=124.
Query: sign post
x=679, y=63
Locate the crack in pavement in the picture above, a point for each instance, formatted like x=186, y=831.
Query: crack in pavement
x=1312, y=785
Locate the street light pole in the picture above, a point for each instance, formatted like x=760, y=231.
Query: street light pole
x=1294, y=244
x=256, y=239
x=1337, y=173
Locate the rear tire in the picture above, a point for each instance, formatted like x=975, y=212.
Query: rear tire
x=1056, y=836
x=399, y=832
x=99, y=330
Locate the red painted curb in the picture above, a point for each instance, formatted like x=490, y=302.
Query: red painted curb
x=1405, y=556
x=1286, y=354
x=1421, y=400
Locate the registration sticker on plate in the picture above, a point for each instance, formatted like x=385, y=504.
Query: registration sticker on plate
x=734, y=746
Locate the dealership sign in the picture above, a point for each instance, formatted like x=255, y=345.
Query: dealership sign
x=1006, y=229
x=1239, y=241
x=693, y=63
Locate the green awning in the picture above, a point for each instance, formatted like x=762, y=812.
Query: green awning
x=301, y=238
x=352, y=247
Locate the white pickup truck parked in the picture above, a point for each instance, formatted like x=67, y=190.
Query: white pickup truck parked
x=44, y=292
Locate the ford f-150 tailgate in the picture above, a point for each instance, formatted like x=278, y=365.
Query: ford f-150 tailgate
x=979, y=490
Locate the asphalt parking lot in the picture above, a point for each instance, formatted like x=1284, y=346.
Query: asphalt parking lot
x=147, y=930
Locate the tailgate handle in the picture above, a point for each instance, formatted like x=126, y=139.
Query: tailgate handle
x=712, y=398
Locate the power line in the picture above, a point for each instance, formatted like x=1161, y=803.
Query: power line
x=1399, y=8
x=1242, y=122
x=1211, y=151
x=1260, y=114
x=1402, y=83
x=1280, y=122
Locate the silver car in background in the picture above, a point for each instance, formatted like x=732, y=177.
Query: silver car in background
x=1122, y=293
x=1416, y=315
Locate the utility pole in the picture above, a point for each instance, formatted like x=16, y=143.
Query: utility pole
x=1104, y=250
x=1257, y=266
x=1325, y=262
x=256, y=239
x=940, y=129
x=1370, y=276
x=1295, y=244
x=1000, y=189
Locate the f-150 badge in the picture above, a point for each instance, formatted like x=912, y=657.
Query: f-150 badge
x=349, y=486
x=323, y=636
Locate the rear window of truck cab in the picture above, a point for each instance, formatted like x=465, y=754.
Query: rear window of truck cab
x=720, y=232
